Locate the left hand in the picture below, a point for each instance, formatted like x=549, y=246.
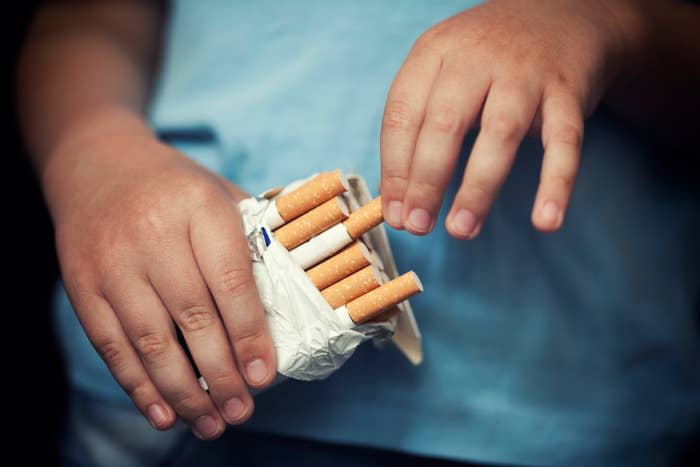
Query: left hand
x=518, y=67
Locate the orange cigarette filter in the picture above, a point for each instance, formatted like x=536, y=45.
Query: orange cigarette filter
x=312, y=223
x=350, y=260
x=353, y=286
x=386, y=314
x=315, y=192
x=365, y=218
x=392, y=293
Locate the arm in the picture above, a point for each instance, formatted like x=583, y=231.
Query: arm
x=658, y=88
x=513, y=67
x=82, y=59
x=144, y=235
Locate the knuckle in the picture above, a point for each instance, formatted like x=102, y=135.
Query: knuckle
x=429, y=38
x=563, y=181
x=138, y=391
x=235, y=281
x=398, y=116
x=186, y=403
x=115, y=260
x=570, y=135
x=195, y=318
x=424, y=191
x=563, y=80
x=393, y=187
x=150, y=222
x=479, y=190
x=229, y=381
x=152, y=346
x=444, y=120
x=199, y=193
x=248, y=335
x=503, y=127
x=393, y=181
x=110, y=351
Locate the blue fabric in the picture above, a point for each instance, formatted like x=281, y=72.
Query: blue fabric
x=578, y=347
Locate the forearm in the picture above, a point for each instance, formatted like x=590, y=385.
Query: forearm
x=657, y=88
x=81, y=62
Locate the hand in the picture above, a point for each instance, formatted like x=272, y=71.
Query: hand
x=518, y=67
x=145, y=236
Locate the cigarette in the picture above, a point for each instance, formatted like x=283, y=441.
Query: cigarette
x=365, y=218
x=332, y=240
x=387, y=295
x=312, y=223
x=321, y=246
x=386, y=315
x=335, y=268
x=353, y=286
x=318, y=190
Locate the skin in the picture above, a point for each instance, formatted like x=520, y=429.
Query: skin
x=148, y=240
x=513, y=68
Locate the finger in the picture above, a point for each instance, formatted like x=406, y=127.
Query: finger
x=182, y=289
x=562, y=136
x=403, y=115
x=453, y=107
x=506, y=118
x=109, y=340
x=221, y=251
x=151, y=332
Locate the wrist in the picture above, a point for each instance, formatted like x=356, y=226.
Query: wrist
x=630, y=24
x=96, y=144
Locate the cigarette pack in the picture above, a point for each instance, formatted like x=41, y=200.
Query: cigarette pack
x=311, y=339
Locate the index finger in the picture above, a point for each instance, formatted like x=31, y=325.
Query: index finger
x=221, y=251
x=403, y=117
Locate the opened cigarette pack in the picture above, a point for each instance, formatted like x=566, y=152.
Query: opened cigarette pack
x=326, y=274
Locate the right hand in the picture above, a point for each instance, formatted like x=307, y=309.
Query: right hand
x=145, y=236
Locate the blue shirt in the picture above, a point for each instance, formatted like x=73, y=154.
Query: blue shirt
x=577, y=347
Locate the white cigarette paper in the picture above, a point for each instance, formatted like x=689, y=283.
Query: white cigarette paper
x=321, y=246
x=332, y=240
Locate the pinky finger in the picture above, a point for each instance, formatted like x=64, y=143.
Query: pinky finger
x=107, y=336
x=562, y=135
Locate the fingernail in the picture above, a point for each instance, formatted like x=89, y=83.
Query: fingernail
x=234, y=409
x=157, y=415
x=464, y=222
x=419, y=220
x=256, y=371
x=551, y=214
x=394, y=212
x=205, y=427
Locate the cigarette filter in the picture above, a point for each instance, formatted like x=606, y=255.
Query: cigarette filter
x=392, y=293
x=335, y=268
x=315, y=192
x=386, y=314
x=365, y=218
x=312, y=223
x=353, y=286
